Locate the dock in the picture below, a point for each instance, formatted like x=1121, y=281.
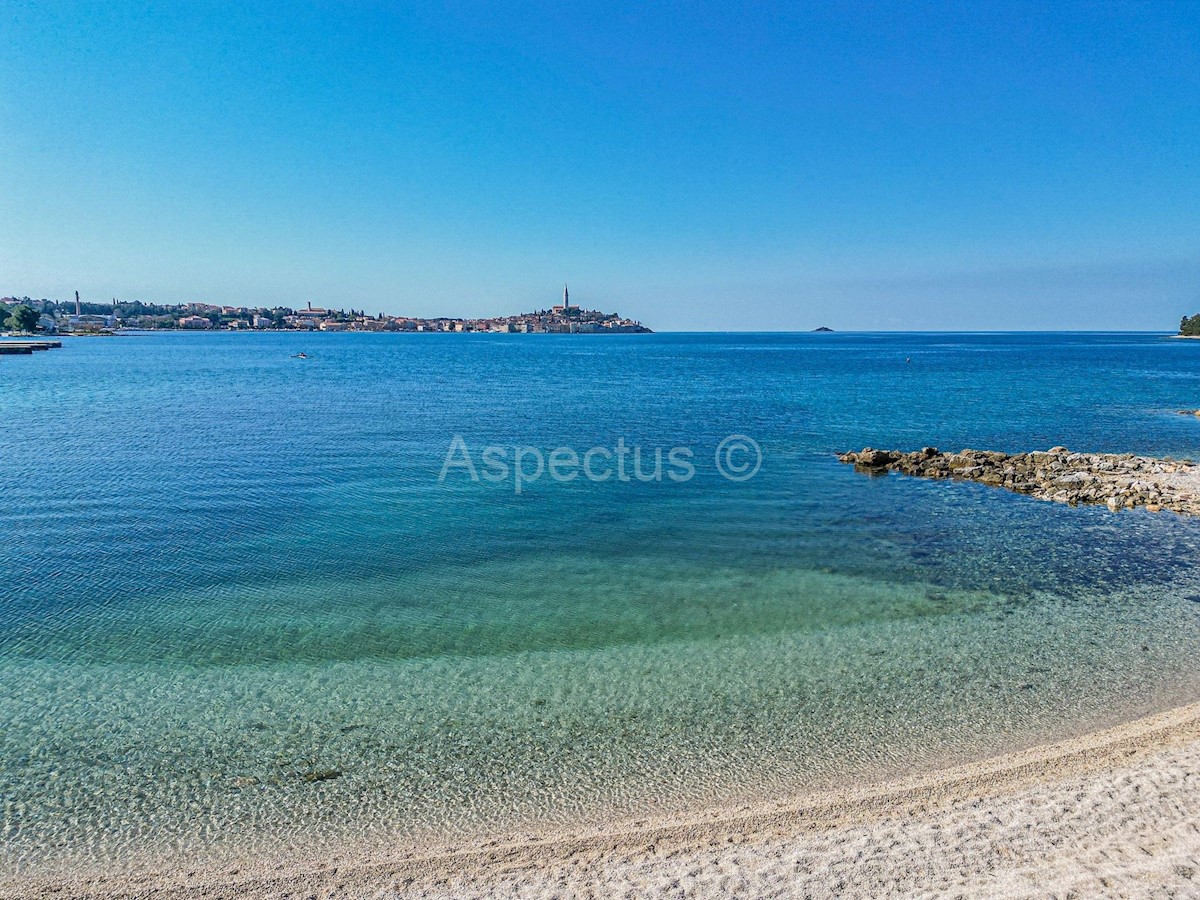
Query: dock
x=26, y=347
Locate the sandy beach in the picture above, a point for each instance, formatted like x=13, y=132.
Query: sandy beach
x=1114, y=812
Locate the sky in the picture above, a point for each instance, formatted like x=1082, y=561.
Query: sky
x=697, y=166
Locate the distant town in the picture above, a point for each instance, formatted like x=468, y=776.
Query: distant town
x=22, y=314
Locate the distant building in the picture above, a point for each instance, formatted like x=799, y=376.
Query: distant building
x=330, y=325
x=261, y=322
x=88, y=323
x=313, y=312
x=199, y=322
x=566, y=304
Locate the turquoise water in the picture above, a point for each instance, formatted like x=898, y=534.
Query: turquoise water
x=242, y=615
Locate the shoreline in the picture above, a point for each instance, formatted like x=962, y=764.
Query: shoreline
x=940, y=811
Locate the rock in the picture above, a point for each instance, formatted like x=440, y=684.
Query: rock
x=869, y=458
x=1074, y=478
x=314, y=775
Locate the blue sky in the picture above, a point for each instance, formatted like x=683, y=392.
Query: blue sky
x=700, y=166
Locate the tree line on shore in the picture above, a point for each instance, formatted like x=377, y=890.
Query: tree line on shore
x=23, y=314
x=19, y=317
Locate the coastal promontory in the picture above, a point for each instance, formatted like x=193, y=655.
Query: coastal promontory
x=1120, y=481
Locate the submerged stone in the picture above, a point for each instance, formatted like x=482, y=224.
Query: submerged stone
x=315, y=775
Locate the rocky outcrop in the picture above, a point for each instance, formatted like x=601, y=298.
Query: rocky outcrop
x=1121, y=481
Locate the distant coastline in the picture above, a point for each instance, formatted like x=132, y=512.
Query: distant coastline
x=78, y=317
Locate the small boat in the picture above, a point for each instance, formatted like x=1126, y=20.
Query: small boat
x=300, y=355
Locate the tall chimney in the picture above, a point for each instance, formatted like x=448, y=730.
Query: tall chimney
x=78, y=312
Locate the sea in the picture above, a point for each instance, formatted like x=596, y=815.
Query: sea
x=423, y=588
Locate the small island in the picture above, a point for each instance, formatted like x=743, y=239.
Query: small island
x=1189, y=326
x=823, y=329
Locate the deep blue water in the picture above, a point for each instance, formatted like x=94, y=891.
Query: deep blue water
x=223, y=567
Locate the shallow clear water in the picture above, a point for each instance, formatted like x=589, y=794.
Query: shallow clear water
x=226, y=572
